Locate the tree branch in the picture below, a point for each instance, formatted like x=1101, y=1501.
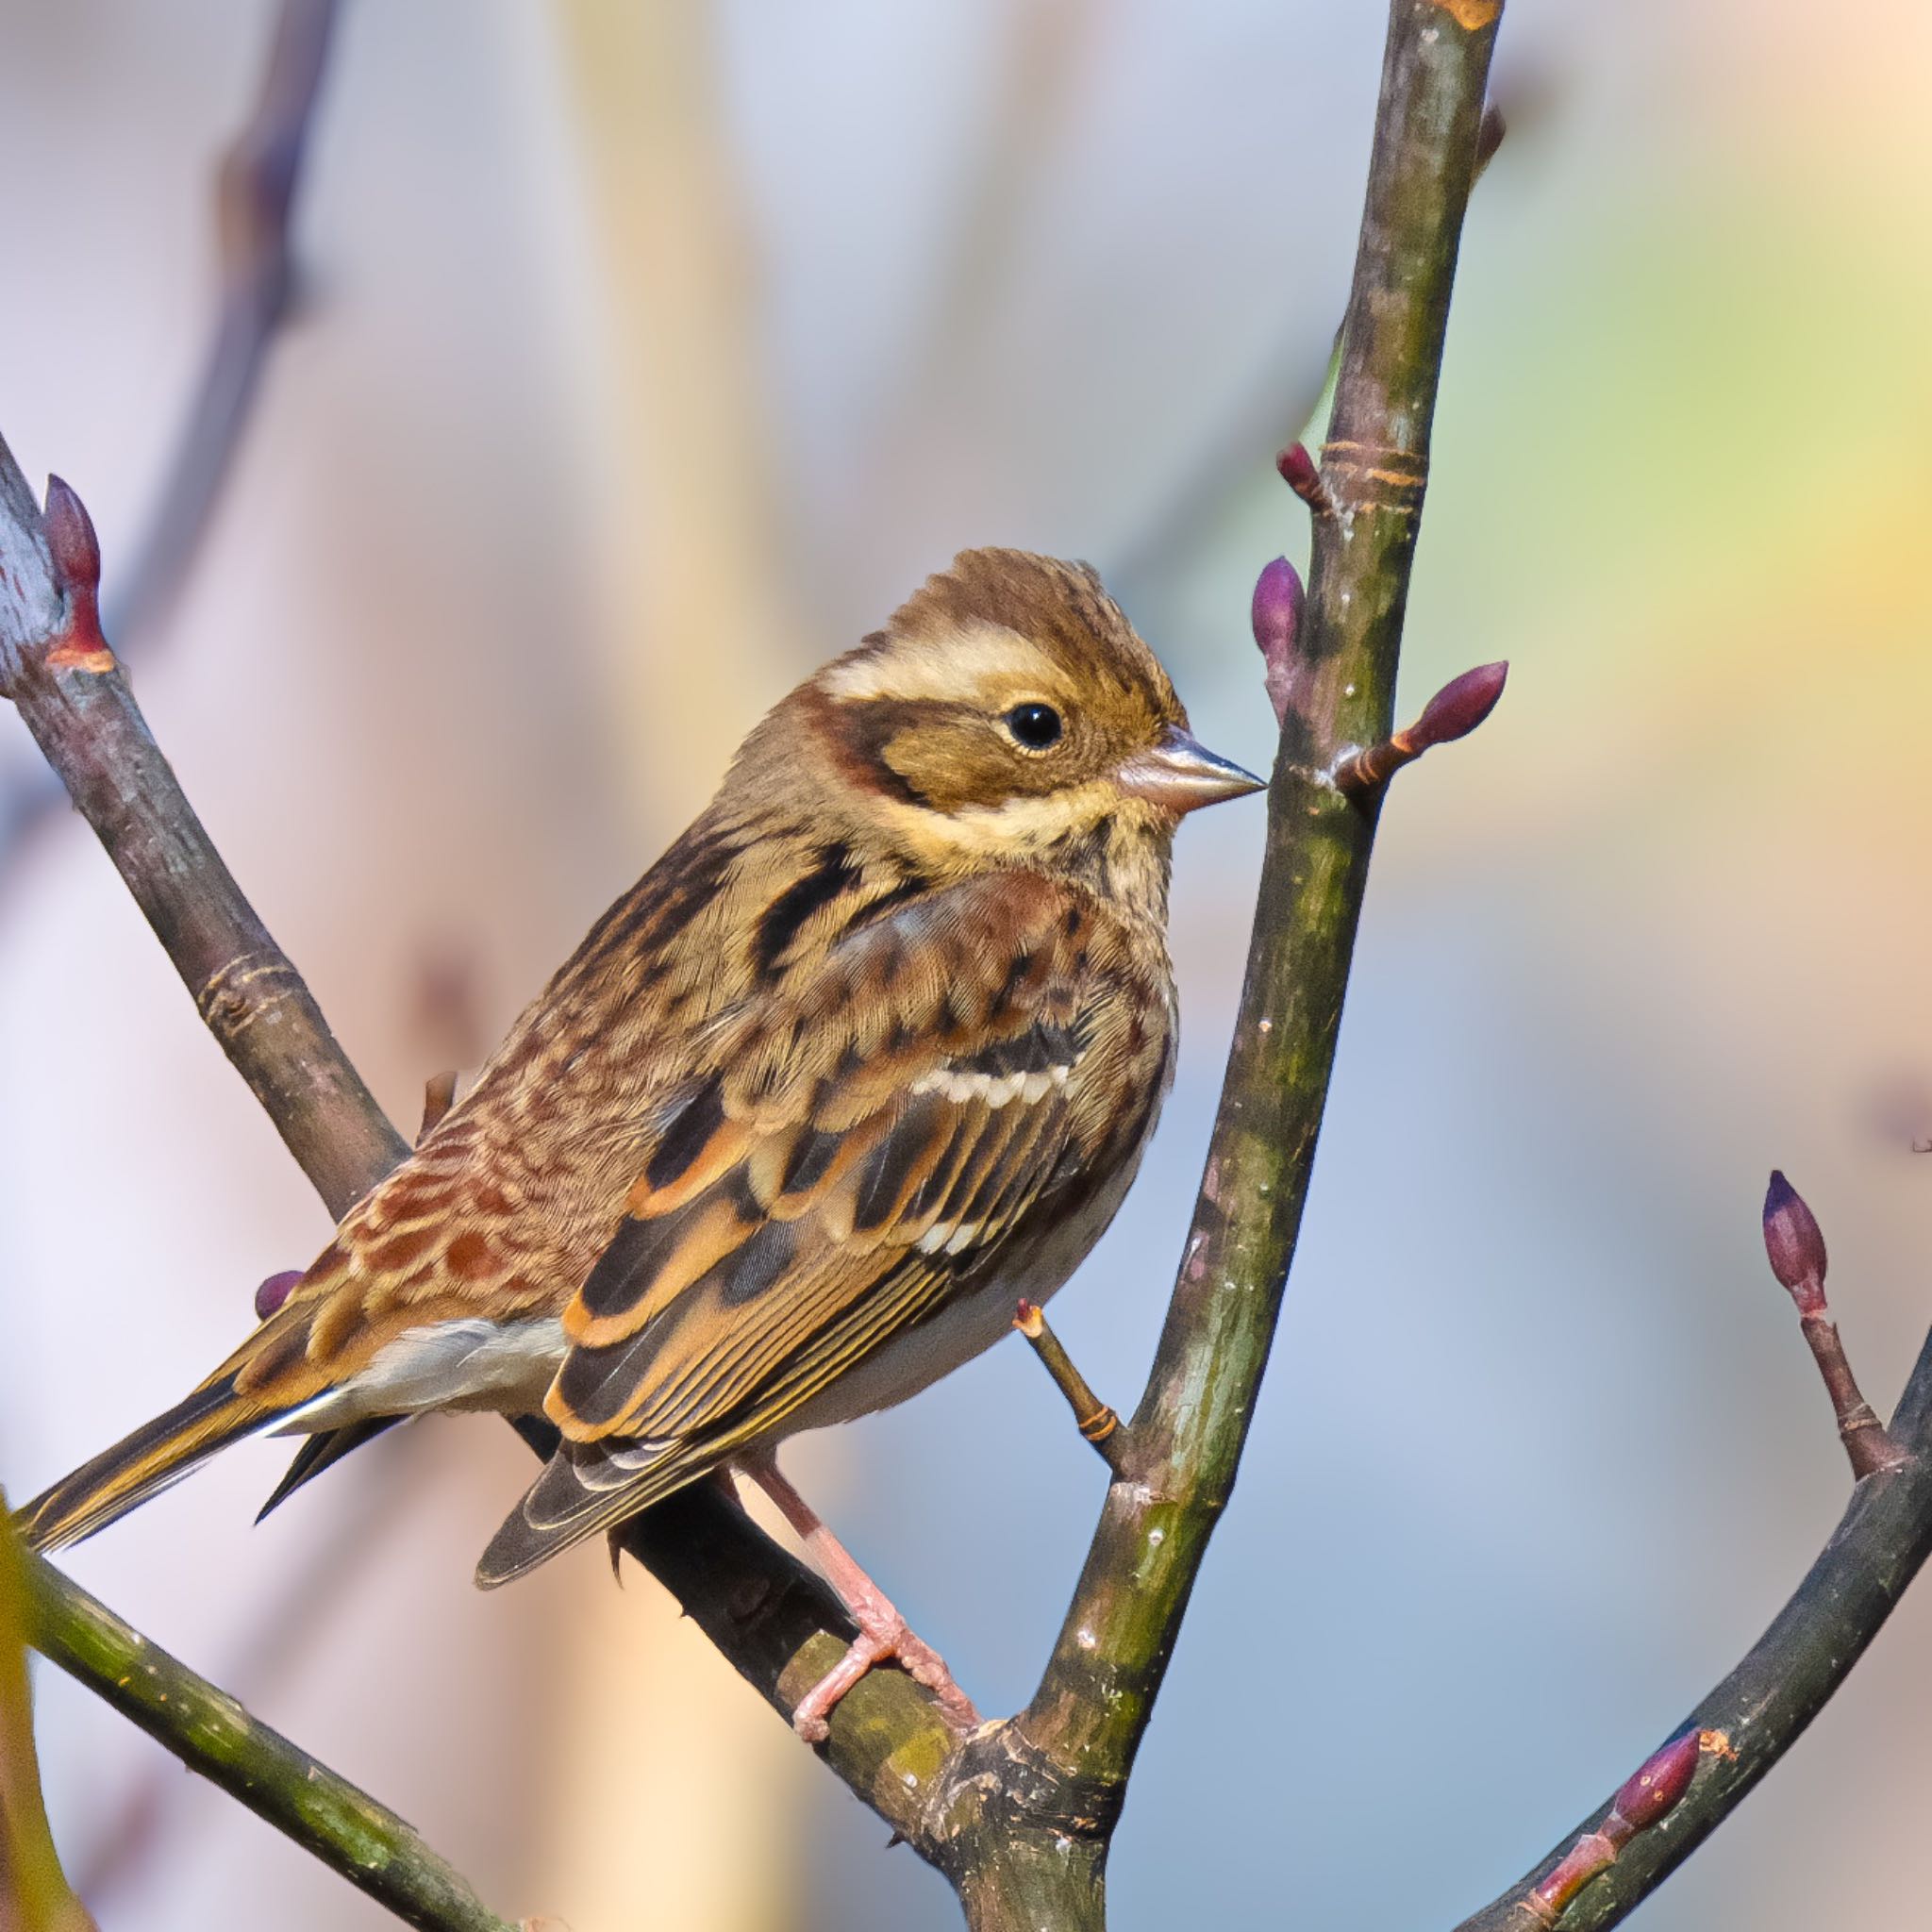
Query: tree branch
x=1760, y=1709
x=775, y=1621
x=1091, y=1708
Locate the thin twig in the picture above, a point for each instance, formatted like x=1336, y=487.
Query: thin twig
x=1761, y=1708
x=1094, y=1420
x=1795, y=1247
x=1453, y=712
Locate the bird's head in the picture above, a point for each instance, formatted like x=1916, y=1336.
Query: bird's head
x=1009, y=714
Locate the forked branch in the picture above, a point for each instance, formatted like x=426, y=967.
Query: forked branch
x=1021, y=1814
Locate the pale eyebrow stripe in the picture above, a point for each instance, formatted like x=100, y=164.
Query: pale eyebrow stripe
x=937, y=669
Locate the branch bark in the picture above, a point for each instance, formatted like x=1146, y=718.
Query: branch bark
x=1760, y=1709
x=1078, y=1738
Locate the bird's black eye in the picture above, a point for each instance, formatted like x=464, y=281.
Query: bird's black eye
x=1036, y=727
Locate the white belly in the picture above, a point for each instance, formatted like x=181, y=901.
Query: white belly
x=471, y=1363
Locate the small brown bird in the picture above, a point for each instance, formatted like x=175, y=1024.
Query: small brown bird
x=871, y=1051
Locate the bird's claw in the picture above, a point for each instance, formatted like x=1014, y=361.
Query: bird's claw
x=889, y=1639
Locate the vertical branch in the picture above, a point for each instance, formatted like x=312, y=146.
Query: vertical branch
x=1185, y=1442
x=30, y=1874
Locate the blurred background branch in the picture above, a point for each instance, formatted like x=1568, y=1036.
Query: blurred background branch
x=256, y=284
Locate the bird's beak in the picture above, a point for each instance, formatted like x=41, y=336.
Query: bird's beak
x=1181, y=774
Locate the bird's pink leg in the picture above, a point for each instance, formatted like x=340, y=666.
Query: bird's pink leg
x=882, y=1631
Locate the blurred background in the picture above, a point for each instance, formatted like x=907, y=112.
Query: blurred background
x=640, y=357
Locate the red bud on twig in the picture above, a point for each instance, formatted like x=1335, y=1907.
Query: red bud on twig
x=1794, y=1243
x=274, y=1292
x=1659, y=1783
x=1277, y=616
x=1298, y=471
x=76, y=549
x=1458, y=708
x=77, y=555
x=1645, y=1799
x=1453, y=712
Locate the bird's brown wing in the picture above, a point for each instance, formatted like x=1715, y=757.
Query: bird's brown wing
x=857, y=1152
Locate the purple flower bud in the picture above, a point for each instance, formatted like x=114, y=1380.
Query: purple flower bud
x=274, y=1292
x=1458, y=708
x=1278, y=615
x=1299, y=471
x=70, y=532
x=1659, y=1784
x=1794, y=1243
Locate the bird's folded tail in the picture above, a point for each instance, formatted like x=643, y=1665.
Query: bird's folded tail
x=586, y=1487
x=141, y=1465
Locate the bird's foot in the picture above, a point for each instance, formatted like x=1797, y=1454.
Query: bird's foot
x=883, y=1634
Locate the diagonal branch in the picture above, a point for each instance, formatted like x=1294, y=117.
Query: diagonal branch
x=775, y=1621
x=210, y=1733
x=1761, y=1707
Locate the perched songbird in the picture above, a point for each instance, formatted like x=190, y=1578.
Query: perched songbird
x=871, y=1051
